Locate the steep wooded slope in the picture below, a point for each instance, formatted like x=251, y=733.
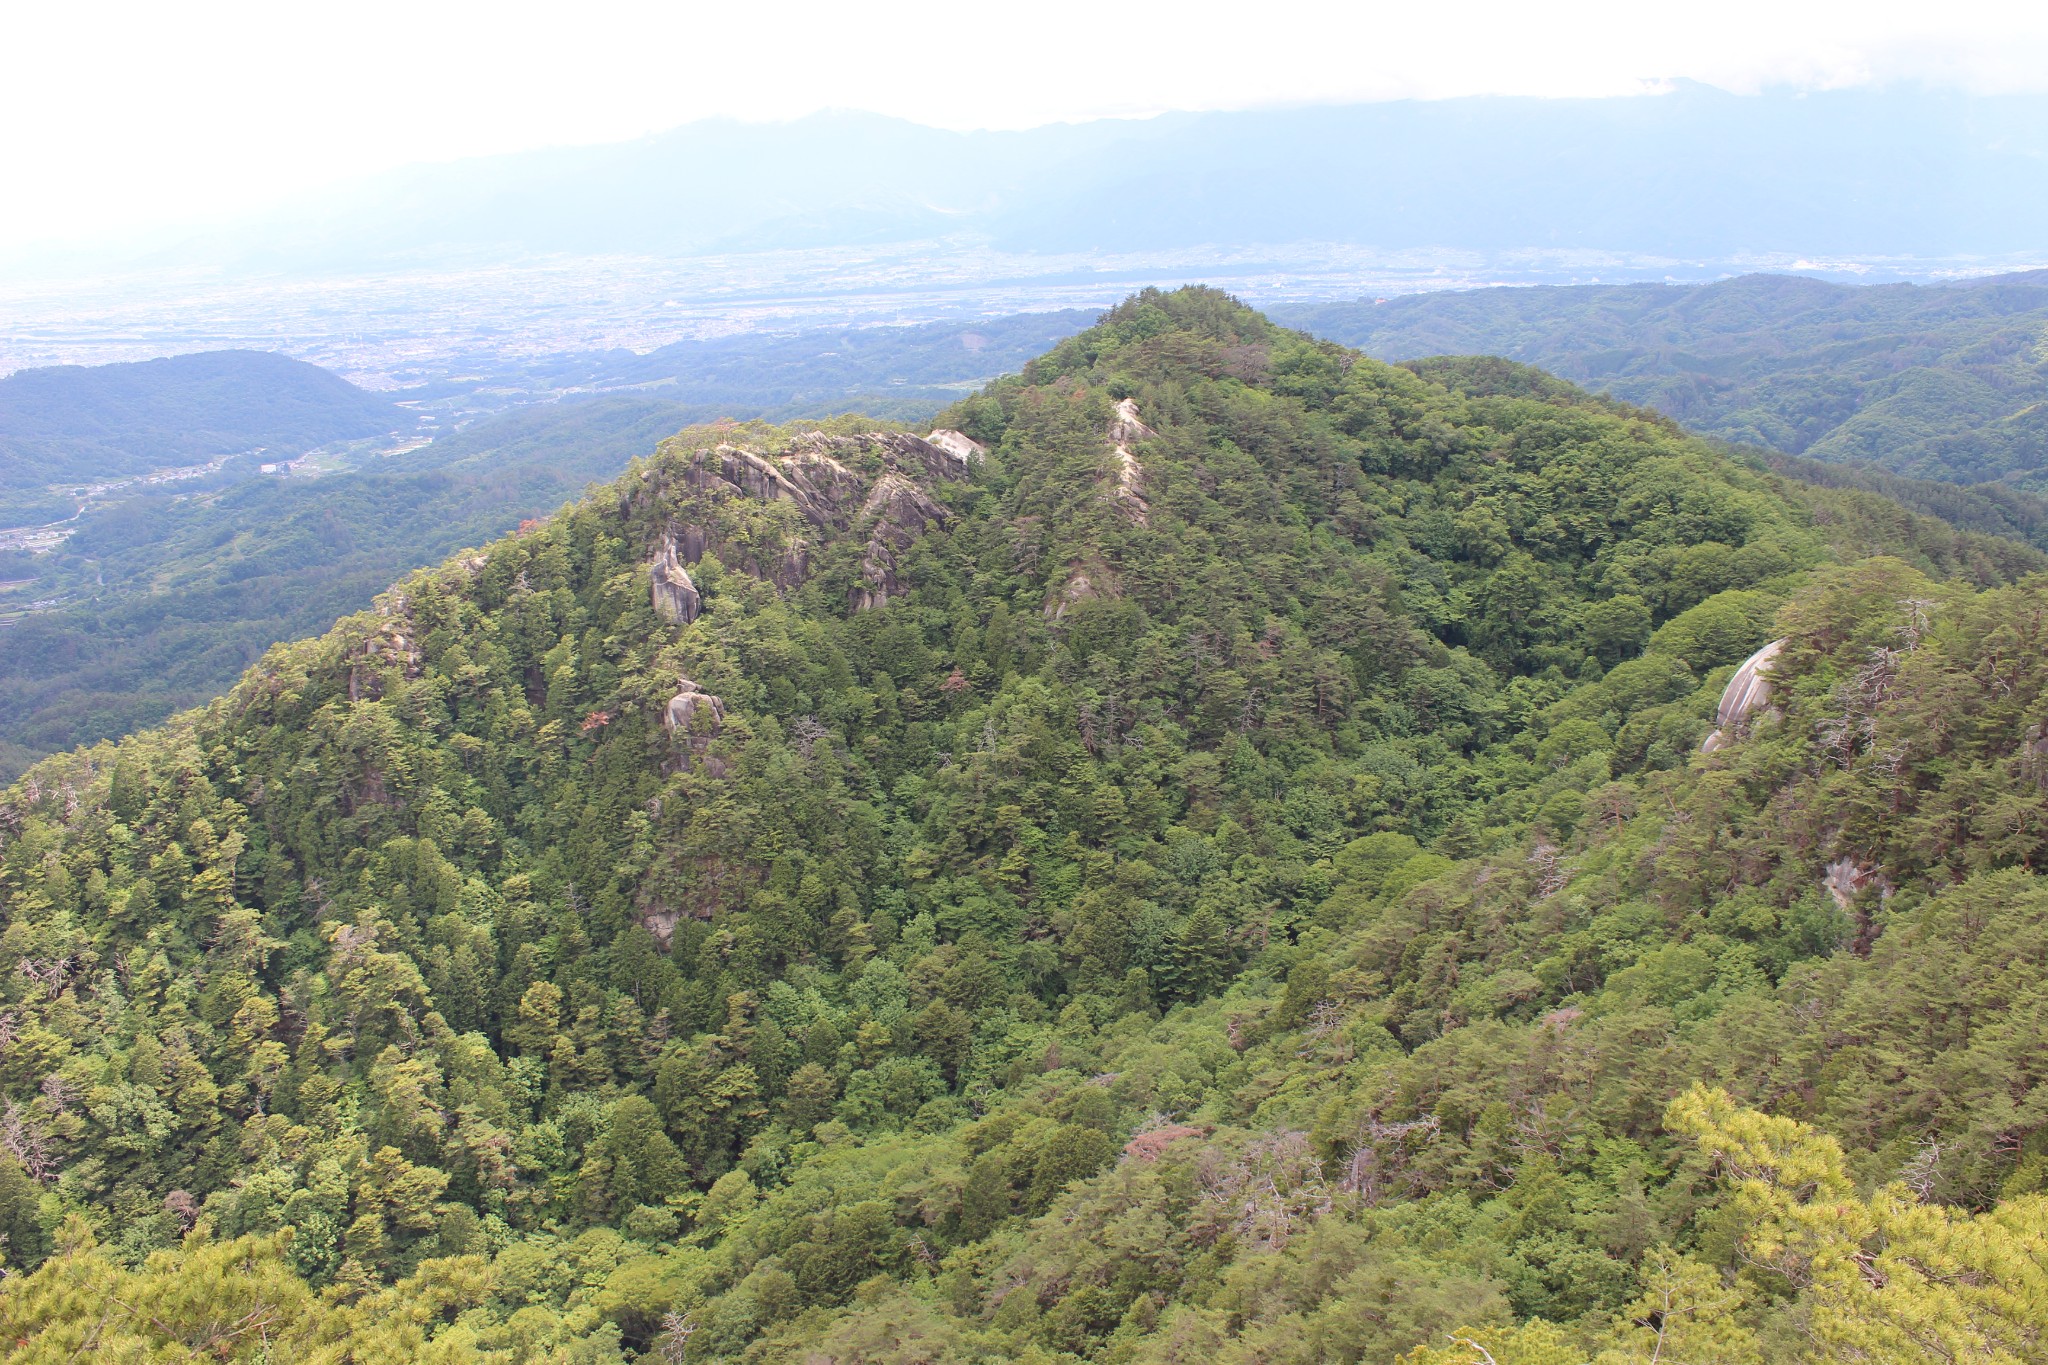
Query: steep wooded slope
x=1208, y=853
x=1944, y=382
x=159, y=599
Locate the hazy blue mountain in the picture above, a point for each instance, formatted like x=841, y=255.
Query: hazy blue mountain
x=1693, y=173
x=77, y=422
x=1944, y=382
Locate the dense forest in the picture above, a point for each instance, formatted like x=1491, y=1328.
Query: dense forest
x=81, y=424
x=1945, y=382
x=163, y=595
x=156, y=604
x=1993, y=508
x=1217, y=854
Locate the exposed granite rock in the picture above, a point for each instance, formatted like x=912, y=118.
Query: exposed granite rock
x=1126, y=428
x=896, y=513
x=873, y=485
x=1085, y=582
x=959, y=445
x=1845, y=879
x=676, y=598
x=1747, y=693
x=661, y=922
x=693, y=717
x=729, y=471
x=392, y=645
x=687, y=704
x=2034, y=754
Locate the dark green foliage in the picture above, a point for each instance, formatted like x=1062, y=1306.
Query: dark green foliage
x=161, y=604
x=158, y=601
x=1259, y=907
x=1943, y=382
x=81, y=424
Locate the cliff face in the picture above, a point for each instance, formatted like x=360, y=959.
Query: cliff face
x=1747, y=694
x=774, y=509
x=675, y=597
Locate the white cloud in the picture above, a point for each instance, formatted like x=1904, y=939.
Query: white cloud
x=124, y=115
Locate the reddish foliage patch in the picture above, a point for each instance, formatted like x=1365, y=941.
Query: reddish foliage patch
x=1148, y=1146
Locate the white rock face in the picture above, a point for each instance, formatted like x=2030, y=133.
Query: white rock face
x=959, y=445
x=1747, y=693
x=676, y=598
x=1125, y=428
x=835, y=483
x=1845, y=878
x=689, y=700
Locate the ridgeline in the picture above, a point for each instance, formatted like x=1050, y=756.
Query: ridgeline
x=1207, y=854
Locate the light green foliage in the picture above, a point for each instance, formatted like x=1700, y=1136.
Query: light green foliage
x=1284, y=949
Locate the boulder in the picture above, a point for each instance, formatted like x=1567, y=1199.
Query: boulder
x=676, y=598
x=1747, y=693
x=690, y=702
x=959, y=445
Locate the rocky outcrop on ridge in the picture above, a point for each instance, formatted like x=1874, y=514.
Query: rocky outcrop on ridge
x=959, y=445
x=769, y=512
x=694, y=717
x=687, y=704
x=1125, y=430
x=895, y=514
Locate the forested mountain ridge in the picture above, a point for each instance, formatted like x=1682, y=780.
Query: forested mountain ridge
x=86, y=424
x=1944, y=382
x=162, y=595
x=155, y=604
x=1207, y=854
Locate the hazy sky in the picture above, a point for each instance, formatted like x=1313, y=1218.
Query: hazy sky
x=122, y=116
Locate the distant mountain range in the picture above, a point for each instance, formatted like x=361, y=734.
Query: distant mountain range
x=1692, y=174
x=1945, y=382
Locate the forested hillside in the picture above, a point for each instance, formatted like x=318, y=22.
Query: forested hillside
x=1946, y=382
x=86, y=424
x=156, y=604
x=161, y=596
x=1211, y=855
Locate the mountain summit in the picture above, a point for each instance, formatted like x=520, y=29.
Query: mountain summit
x=1211, y=850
